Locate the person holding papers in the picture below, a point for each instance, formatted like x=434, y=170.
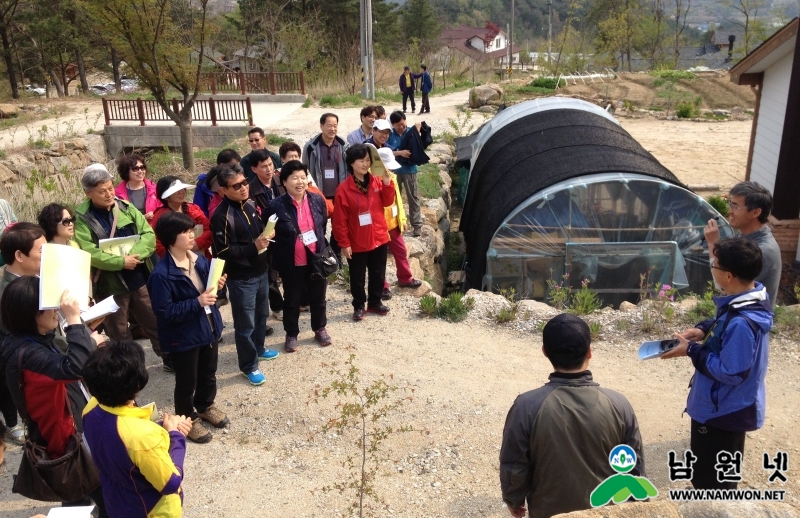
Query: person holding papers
x=30, y=355
x=239, y=240
x=300, y=229
x=172, y=193
x=189, y=322
x=123, y=275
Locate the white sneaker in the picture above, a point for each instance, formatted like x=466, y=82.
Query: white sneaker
x=16, y=434
x=277, y=315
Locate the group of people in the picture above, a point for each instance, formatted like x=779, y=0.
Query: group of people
x=62, y=373
x=555, y=472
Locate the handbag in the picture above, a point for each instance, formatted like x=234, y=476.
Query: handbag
x=324, y=263
x=68, y=478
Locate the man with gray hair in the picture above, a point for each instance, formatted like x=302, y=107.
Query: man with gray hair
x=103, y=216
x=749, y=207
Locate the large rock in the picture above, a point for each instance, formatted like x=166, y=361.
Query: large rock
x=626, y=306
x=481, y=95
x=535, y=307
x=438, y=206
x=20, y=165
x=737, y=510
x=96, y=149
x=423, y=290
x=7, y=175
x=8, y=111
x=658, y=509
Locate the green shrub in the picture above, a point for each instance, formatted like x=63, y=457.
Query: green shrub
x=547, y=82
x=719, y=203
x=594, y=329
x=453, y=308
x=339, y=100
x=275, y=140
x=308, y=102
x=704, y=309
x=672, y=75
x=684, y=110
x=585, y=300
x=428, y=305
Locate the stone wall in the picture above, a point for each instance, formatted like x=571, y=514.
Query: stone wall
x=68, y=156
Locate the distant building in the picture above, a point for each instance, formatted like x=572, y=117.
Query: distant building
x=772, y=70
x=480, y=44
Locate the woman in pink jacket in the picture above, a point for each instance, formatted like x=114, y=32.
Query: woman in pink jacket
x=135, y=187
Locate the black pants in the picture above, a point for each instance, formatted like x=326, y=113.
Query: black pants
x=95, y=497
x=373, y=261
x=7, y=406
x=275, y=297
x=706, y=442
x=426, y=105
x=195, y=379
x=294, y=283
x=409, y=94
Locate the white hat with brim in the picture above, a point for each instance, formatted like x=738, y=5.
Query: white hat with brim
x=381, y=125
x=176, y=186
x=387, y=157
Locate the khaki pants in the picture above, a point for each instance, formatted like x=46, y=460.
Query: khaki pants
x=408, y=183
x=138, y=303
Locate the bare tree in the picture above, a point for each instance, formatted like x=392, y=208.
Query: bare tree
x=679, y=16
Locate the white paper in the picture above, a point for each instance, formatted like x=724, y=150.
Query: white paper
x=120, y=246
x=64, y=268
x=71, y=512
x=101, y=309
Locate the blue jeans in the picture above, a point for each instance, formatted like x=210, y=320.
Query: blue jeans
x=250, y=308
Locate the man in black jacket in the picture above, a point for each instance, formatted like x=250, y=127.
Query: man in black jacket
x=540, y=462
x=239, y=240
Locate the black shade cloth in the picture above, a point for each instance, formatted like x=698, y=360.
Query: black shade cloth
x=533, y=153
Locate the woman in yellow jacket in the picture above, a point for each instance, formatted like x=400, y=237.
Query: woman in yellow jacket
x=396, y=222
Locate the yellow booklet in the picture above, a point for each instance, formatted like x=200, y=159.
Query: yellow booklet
x=120, y=246
x=214, y=274
x=270, y=226
x=64, y=268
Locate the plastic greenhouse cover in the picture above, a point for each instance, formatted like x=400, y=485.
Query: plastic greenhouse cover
x=526, y=108
x=610, y=229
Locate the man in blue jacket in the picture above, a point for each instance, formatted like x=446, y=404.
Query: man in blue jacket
x=426, y=85
x=730, y=354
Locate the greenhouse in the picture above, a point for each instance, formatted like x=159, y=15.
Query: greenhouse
x=559, y=192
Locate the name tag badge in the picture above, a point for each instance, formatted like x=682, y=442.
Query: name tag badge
x=394, y=211
x=330, y=174
x=208, y=309
x=309, y=237
x=365, y=219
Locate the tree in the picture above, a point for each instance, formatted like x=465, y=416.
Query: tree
x=156, y=39
x=421, y=22
x=679, y=16
x=8, y=9
x=747, y=18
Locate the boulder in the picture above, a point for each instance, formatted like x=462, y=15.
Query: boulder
x=626, y=306
x=414, y=246
x=736, y=510
x=535, y=307
x=8, y=110
x=96, y=149
x=722, y=113
x=423, y=290
x=658, y=509
x=487, y=297
x=486, y=109
x=447, y=182
x=438, y=206
x=21, y=166
x=61, y=164
x=481, y=95
x=416, y=268
x=439, y=148
x=76, y=144
x=444, y=225
x=7, y=175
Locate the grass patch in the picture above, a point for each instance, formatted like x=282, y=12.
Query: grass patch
x=308, y=102
x=672, y=75
x=787, y=322
x=430, y=183
x=275, y=140
x=547, y=83
x=334, y=101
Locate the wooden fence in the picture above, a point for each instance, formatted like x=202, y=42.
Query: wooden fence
x=254, y=82
x=213, y=110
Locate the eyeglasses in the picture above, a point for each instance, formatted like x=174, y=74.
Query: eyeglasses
x=714, y=267
x=734, y=206
x=237, y=186
x=139, y=168
x=253, y=139
x=67, y=221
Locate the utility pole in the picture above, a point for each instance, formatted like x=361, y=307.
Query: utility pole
x=511, y=37
x=367, y=57
x=370, y=53
x=549, y=30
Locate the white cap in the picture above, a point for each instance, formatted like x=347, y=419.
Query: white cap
x=95, y=167
x=174, y=187
x=381, y=124
x=387, y=157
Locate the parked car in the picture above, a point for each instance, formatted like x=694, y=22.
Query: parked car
x=100, y=89
x=129, y=85
x=35, y=90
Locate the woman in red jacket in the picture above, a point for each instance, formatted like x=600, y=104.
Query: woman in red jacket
x=172, y=193
x=360, y=227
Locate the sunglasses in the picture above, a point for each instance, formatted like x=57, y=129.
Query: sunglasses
x=237, y=186
x=139, y=168
x=67, y=221
x=254, y=140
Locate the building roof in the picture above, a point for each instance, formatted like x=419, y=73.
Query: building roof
x=464, y=33
x=767, y=54
x=477, y=55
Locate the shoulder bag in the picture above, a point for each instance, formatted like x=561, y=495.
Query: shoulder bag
x=68, y=478
x=324, y=263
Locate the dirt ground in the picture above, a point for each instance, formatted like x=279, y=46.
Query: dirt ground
x=273, y=460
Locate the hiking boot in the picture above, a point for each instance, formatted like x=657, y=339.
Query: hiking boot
x=381, y=309
x=290, y=345
x=358, y=314
x=168, y=364
x=198, y=433
x=387, y=294
x=270, y=331
x=413, y=284
x=268, y=354
x=322, y=337
x=255, y=377
x=214, y=416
